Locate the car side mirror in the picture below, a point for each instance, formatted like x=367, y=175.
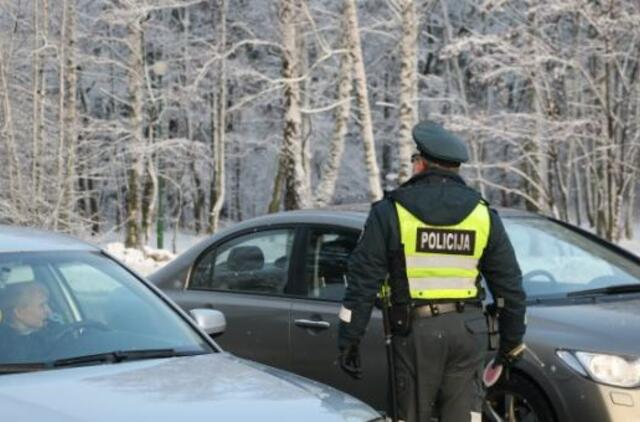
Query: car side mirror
x=210, y=321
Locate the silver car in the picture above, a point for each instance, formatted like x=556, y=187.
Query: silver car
x=82, y=338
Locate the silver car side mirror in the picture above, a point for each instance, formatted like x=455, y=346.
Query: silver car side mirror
x=210, y=321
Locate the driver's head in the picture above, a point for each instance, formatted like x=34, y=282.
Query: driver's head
x=27, y=306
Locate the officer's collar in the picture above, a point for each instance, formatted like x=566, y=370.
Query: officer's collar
x=434, y=175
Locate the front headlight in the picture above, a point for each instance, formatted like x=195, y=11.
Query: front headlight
x=614, y=370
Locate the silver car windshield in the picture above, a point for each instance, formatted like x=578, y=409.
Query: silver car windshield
x=57, y=306
x=558, y=261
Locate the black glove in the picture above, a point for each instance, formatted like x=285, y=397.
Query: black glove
x=350, y=360
x=507, y=355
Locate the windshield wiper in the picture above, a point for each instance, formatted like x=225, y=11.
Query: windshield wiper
x=121, y=356
x=610, y=290
x=15, y=368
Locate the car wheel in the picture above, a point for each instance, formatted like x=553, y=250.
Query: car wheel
x=517, y=399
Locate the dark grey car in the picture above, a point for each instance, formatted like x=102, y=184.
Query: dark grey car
x=279, y=280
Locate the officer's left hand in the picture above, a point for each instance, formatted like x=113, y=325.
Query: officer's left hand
x=505, y=358
x=350, y=361
x=509, y=357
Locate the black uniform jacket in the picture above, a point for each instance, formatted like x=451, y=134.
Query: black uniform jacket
x=436, y=197
x=19, y=348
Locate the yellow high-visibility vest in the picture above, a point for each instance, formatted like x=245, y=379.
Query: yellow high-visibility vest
x=442, y=261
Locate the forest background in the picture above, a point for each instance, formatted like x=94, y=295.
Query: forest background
x=138, y=116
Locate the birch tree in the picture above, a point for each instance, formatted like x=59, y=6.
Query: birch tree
x=296, y=194
x=408, y=86
x=67, y=118
x=39, y=91
x=219, y=127
x=362, y=101
x=136, y=138
x=8, y=135
x=329, y=174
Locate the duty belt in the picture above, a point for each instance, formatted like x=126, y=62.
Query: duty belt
x=435, y=309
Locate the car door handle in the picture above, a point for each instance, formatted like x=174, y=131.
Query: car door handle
x=309, y=323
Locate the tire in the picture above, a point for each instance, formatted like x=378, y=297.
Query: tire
x=529, y=402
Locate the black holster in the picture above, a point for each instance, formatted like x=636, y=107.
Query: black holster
x=400, y=319
x=401, y=305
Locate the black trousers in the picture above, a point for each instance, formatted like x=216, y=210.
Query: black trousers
x=439, y=367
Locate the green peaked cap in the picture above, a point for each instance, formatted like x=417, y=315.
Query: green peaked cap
x=434, y=141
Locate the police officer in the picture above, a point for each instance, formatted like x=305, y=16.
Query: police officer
x=431, y=240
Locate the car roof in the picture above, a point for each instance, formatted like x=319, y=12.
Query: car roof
x=310, y=216
x=21, y=239
x=364, y=207
x=349, y=214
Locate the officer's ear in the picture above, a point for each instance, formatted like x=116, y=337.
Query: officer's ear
x=419, y=164
x=423, y=165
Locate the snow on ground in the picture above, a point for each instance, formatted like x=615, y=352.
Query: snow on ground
x=176, y=244
x=631, y=245
x=143, y=261
x=148, y=259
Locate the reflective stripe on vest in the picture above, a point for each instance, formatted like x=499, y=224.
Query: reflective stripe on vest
x=442, y=261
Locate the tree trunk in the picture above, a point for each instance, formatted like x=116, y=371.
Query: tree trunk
x=237, y=181
x=68, y=139
x=86, y=199
x=408, y=87
x=388, y=183
x=7, y=132
x=176, y=215
x=296, y=190
x=94, y=208
x=41, y=26
x=218, y=194
x=362, y=100
x=136, y=145
x=327, y=184
x=199, y=203
x=158, y=131
x=631, y=206
x=149, y=199
x=305, y=101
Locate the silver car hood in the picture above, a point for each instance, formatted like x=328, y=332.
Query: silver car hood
x=217, y=386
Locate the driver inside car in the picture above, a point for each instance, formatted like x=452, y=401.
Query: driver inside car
x=25, y=309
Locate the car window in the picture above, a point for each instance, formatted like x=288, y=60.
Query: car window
x=256, y=262
x=91, y=288
x=17, y=273
x=82, y=303
x=326, y=262
x=555, y=259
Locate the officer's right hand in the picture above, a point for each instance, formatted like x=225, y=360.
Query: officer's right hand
x=350, y=361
